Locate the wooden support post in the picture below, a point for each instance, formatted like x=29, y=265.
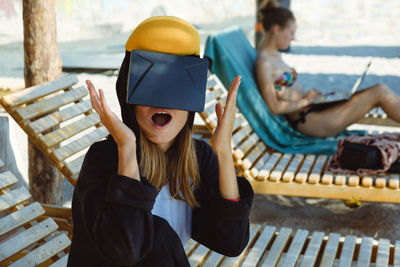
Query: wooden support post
x=6, y=151
x=41, y=64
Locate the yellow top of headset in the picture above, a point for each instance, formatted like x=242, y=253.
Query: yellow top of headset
x=165, y=34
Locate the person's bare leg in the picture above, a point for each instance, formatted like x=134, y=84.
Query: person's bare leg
x=333, y=120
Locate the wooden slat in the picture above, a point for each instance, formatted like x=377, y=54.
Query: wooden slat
x=346, y=256
x=213, y=259
x=61, y=262
x=47, y=105
x=315, y=175
x=210, y=120
x=276, y=250
x=80, y=144
x=397, y=253
x=340, y=179
x=367, y=181
x=240, y=135
x=209, y=108
x=70, y=130
x=56, y=211
x=394, y=181
x=240, y=121
x=364, y=256
x=302, y=175
x=277, y=173
x=311, y=254
x=198, y=256
x=211, y=81
x=55, y=118
x=268, y=166
x=73, y=168
x=327, y=178
x=1, y=164
x=380, y=181
x=289, y=174
x=20, y=217
x=234, y=261
x=26, y=238
x=291, y=257
x=190, y=246
x=354, y=180
x=44, y=252
x=254, y=154
x=330, y=250
x=220, y=91
x=256, y=252
x=249, y=143
x=35, y=92
x=14, y=197
x=382, y=259
x=210, y=97
x=7, y=179
x=223, y=100
x=260, y=163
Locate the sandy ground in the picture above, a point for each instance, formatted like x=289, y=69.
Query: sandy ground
x=334, y=41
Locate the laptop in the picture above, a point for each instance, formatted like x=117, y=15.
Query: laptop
x=342, y=96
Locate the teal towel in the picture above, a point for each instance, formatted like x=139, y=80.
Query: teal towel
x=231, y=54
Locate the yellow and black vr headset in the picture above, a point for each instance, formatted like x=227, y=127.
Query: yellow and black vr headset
x=165, y=67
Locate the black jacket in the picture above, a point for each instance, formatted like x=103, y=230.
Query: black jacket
x=114, y=226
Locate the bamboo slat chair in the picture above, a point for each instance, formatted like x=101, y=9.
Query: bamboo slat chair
x=28, y=237
x=39, y=109
x=272, y=172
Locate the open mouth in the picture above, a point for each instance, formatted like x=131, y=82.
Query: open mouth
x=161, y=118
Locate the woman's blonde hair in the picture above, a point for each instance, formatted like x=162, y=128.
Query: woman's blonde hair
x=272, y=14
x=178, y=166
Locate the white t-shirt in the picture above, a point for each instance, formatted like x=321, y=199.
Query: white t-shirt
x=176, y=212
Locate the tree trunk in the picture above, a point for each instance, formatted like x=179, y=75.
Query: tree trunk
x=41, y=64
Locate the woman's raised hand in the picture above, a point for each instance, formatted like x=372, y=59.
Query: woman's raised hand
x=221, y=139
x=122, y=134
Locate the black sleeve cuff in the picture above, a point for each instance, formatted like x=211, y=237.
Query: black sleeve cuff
x=125, y=191
x=228, y=209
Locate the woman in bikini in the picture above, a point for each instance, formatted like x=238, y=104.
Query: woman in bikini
x=284, y=95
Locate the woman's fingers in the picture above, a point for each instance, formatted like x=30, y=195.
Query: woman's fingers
x=219, y=111
x=94, y=99
x=226, y=115
x=231, y=99
x=104, y=104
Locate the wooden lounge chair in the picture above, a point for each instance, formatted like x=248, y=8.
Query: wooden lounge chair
x=270, y=247
x=28, y=237
x=271, y=172
x=38, y=109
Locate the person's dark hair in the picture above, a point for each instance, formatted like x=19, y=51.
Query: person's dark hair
x=272, y=14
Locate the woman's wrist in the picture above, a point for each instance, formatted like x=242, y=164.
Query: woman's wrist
x=223, y=150
x=127, y=163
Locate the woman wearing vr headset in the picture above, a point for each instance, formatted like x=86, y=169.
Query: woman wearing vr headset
x=150, y=187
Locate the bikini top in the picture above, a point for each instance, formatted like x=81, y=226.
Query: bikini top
x=286, y=79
